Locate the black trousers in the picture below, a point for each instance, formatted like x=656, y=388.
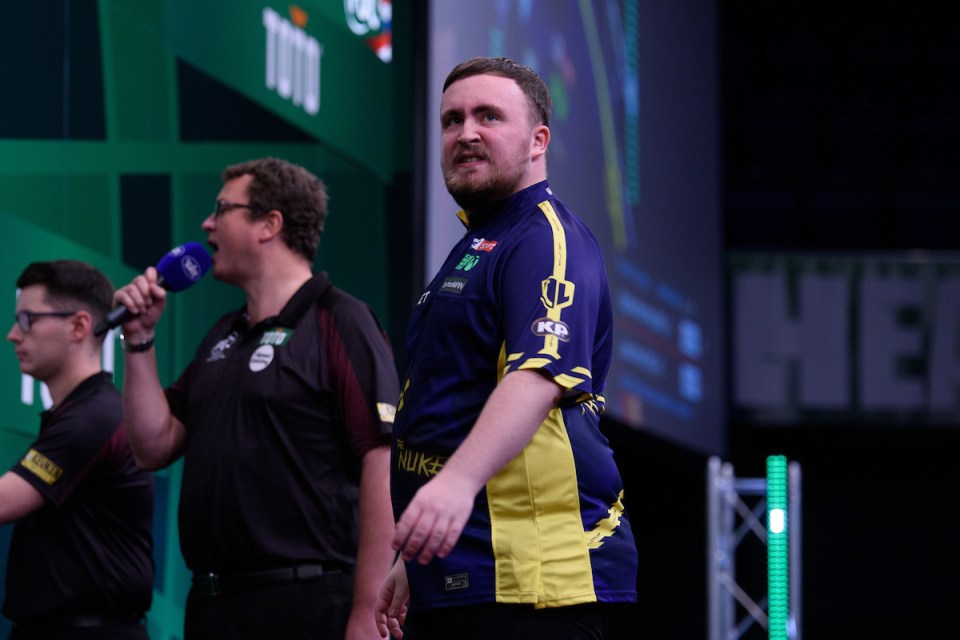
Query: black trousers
x=316, y=609
x=512, y=622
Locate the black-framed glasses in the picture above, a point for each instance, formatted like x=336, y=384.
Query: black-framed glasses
x=222, y=206
x=25, y=318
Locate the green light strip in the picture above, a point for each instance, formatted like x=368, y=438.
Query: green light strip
x=777, y=549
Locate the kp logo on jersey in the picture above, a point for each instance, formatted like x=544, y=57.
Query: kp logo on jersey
x=546, y=327
x=555, y=294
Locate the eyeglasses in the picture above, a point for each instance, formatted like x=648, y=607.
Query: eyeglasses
x=223, y=206
x=25, y=319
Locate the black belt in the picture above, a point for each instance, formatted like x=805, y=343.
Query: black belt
x=209, y=583
x=83, y=621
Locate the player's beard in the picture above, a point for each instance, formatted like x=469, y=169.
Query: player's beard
x=477, y=190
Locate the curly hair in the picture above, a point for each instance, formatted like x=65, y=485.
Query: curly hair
x=293, y=191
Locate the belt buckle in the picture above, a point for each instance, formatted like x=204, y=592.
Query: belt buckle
x=210, y=585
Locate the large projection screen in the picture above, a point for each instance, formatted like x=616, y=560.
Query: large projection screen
x=635, y=151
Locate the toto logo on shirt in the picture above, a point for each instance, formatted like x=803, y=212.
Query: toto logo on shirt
x=547, y=327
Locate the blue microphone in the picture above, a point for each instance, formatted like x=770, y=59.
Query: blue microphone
x=180, y=268
x=183, y=266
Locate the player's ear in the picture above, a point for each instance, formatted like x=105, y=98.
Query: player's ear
x=540, y=141
x=271, y=225
x=81, y=324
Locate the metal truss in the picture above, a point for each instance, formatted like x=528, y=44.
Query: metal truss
x=736, y=509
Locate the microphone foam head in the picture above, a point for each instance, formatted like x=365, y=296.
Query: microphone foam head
x=183, y=266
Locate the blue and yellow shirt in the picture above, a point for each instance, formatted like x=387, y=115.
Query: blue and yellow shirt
x=524, y=289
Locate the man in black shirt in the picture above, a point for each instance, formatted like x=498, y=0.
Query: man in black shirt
x=283, y=420
x=80, y=560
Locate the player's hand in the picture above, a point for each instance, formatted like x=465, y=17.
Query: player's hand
x=433, y=521
x=391, y=609
x=145, y=299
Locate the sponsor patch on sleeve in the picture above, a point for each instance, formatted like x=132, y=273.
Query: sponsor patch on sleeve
x=387, y=412
x=546, y=327
x=41, y=466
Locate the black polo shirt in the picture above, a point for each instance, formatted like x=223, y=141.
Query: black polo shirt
x=278, y=417
x=89, y=548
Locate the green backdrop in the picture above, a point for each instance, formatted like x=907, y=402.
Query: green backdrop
x=118, y=116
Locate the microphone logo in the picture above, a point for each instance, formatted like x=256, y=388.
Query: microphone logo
x=191, y=267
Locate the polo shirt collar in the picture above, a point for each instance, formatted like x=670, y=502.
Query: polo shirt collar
x=302, y=300
x=515, y=204
x=86, y=387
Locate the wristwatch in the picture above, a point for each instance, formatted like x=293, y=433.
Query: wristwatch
x=137, y=347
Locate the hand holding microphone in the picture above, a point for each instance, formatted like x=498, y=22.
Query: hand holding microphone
x=180, y=268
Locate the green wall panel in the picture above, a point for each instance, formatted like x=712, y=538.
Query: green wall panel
x=138, y=73
x=60, y=195
x=77, y=207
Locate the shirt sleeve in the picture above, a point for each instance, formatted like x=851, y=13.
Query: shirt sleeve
x=362, y=373
x=66, y=452
x=553, y=290
x=176, y=393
